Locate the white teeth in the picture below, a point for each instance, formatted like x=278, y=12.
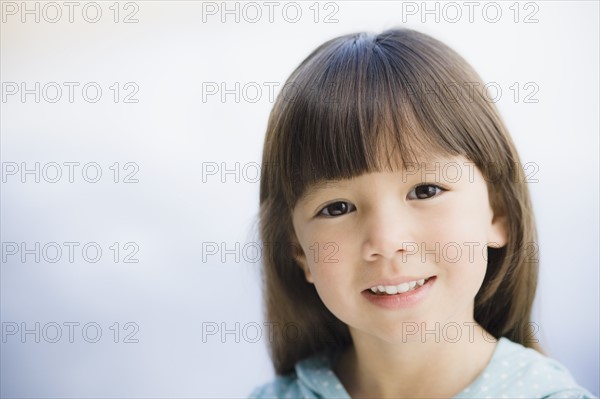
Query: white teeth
x=397, y=289
x=403, y=287
x=391, y=289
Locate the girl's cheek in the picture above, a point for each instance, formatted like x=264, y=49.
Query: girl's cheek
x=326, y=255
x=327, y=244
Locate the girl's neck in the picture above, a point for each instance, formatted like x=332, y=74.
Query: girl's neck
x=375, y=368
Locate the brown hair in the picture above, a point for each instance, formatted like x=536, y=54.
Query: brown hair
x=346, y=108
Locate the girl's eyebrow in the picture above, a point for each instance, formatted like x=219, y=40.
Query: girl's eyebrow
x=320, y=185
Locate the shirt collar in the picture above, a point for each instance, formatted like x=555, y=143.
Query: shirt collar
x=316, y=374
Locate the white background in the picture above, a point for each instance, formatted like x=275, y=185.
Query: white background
x=173, y=211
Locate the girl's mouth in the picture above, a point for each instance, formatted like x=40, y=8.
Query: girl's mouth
x=400, y=296
x=400, y=288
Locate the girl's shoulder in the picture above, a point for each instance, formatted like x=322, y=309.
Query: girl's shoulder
x=516, y=371
x=281, y=387
x=311, y=378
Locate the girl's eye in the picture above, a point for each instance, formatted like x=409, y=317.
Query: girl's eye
x=336, y=209
x=425, y=191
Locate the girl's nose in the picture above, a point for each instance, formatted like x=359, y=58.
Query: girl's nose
x=388, y=232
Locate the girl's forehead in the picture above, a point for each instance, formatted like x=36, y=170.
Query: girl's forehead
x=389, y=155
x=426, y=161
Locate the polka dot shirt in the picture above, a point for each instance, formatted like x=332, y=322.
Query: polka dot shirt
x=513, y=372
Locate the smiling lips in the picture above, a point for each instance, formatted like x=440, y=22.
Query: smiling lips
x=398, y=289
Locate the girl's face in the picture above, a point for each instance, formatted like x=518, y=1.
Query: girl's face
x=387, y=230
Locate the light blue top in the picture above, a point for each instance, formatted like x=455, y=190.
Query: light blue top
x=514, y=371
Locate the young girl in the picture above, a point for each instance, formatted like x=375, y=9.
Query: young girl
x=399, y=241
